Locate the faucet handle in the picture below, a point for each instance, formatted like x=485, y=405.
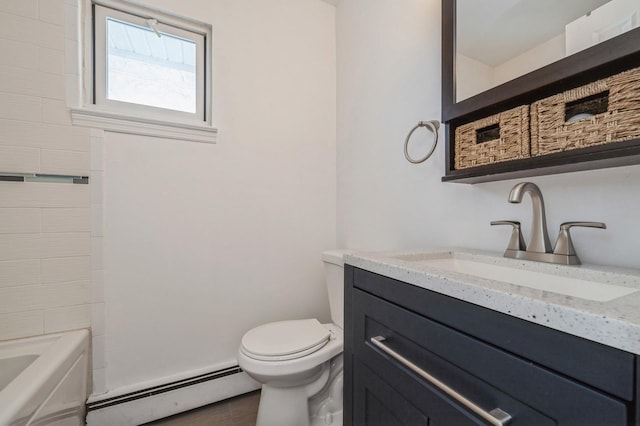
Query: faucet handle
x=516, y=242
x=564, y=245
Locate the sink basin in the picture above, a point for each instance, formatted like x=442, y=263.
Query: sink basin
x=566, y=280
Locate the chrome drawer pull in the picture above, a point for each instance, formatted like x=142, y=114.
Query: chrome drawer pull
x=495, y=417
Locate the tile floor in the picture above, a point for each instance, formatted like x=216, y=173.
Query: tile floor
x=239, y=411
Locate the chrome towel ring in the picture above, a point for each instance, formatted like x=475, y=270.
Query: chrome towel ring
x=432, y=125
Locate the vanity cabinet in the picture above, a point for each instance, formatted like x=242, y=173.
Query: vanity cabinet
x=537, y=375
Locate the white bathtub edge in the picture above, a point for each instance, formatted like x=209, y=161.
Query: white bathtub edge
x=44, y=374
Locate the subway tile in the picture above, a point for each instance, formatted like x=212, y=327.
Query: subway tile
x=52, y=11
x=21, y=298
x=14, y=273
x=66, y=294
x=97, y=224
x=66, y=220
x=39, y=135
x=97, y=319
x=25, y=194
x=97, y=348
x=14, y=159
x=50, y=35
x=23, y=81
x=99, y=381
x=18, y=54
x=96, y=187
x=20, y=246
x=67, y=318
x=71, y=57
x=18, y=28
x=97, y=133
x=51, y=61
x=97, y=154
x=66, y=269
x=19, y=107
x=55, y=112
x=72, y=90
x=21, y=324
x=97, y=281
x=28, y=8
x=97, y=250
x=72, y=20
x=31, y=31
x=19, y=221
x=34, y=246
x=65, y=245
x=64, y=162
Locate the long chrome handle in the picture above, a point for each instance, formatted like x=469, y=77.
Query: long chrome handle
x=564, y=245
x=516, y=242
x=495, y=417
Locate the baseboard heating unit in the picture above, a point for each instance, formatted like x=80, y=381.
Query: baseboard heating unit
x=163, y=400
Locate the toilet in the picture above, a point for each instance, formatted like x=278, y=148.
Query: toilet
x=299, y=362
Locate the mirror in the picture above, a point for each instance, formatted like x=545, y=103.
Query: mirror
x=497, y=41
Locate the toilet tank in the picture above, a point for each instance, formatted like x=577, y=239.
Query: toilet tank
x=334, y=276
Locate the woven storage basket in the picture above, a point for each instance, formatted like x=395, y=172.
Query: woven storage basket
x=550, y=132
x=511, y=141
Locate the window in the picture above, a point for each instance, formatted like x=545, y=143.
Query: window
x=146, y=68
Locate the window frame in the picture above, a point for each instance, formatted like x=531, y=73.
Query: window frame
x=97, y=111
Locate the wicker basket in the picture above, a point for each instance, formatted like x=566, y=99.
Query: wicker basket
x=500, y=137
x=618, y=121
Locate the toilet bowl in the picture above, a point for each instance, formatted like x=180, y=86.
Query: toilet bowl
x=299, y=362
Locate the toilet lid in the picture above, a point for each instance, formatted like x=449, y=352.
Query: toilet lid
x=285, y=339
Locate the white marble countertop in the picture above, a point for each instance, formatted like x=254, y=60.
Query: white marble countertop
x=615, y=323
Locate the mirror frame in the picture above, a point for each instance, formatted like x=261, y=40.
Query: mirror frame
x=602, y=60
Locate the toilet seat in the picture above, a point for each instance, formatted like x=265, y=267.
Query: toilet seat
x=285, y=340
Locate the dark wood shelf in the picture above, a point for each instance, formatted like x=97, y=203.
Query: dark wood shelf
x=597, y=157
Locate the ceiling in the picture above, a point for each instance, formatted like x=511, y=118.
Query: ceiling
x=493, y=31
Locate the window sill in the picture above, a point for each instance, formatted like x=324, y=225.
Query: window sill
x=143, y=126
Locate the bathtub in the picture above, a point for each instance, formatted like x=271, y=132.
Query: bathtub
x=43, y=380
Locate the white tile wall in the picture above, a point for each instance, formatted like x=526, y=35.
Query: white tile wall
x=27, y=8
x=51, y=61
x=18, y=54
x=67, y=318
x=66, y=220
x=31, y=131
x=21, y=324
x=20, y=107
x=14, y=194
x=61, y=162
x=15, y=273
x=45, y=228
x=98, y=321
x=18, y=159
x=51, y=11
x=19, y=220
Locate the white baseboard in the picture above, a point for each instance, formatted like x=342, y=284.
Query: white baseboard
x=153, y=405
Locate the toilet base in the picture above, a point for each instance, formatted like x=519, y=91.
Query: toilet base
x=282, y=407
x=316, y=403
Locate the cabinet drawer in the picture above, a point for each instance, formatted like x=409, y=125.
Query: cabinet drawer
x=602, y=367
x=488, y=376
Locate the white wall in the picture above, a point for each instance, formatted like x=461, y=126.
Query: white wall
x=388, y=79
x=45, y=244
x=203, y=242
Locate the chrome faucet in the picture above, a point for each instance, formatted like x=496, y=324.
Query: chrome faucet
x=539, y=242
x=539, y=247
